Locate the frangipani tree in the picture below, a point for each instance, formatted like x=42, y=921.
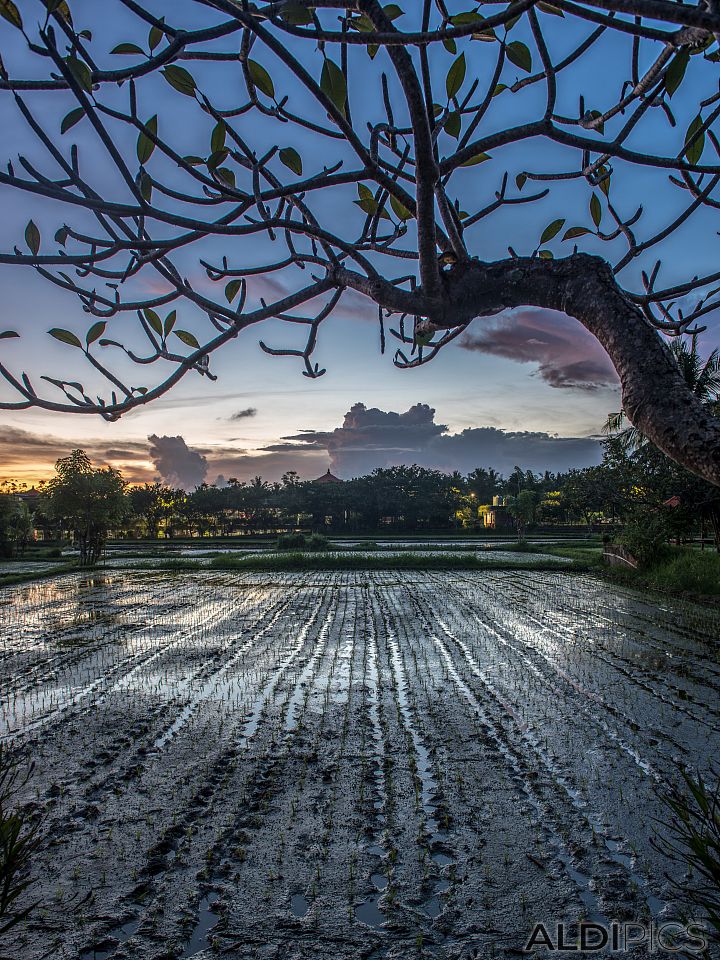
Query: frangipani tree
x=214, y=164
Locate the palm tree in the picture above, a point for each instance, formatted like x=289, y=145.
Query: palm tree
x=702, y=377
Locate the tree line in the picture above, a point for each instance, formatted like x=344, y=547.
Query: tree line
x=636, y=490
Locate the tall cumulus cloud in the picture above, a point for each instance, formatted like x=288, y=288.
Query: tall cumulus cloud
x=176, y=463
x=371, y=438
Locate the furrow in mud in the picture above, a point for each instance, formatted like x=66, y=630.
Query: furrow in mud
x=344, y=765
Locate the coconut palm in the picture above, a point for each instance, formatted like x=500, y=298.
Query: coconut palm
x=702, y=377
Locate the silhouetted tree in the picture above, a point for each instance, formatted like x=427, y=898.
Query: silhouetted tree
x=415, y=147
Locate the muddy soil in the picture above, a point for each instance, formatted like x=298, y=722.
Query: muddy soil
x=346, y=765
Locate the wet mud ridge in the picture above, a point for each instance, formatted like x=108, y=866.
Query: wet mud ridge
x=346, y=765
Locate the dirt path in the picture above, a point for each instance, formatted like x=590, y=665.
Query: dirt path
x=345, y=765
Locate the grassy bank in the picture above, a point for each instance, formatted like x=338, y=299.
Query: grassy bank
x=679, y=571
x=380, y=561
x=26, y=576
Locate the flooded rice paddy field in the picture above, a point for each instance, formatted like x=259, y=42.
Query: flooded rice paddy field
x=346, y=765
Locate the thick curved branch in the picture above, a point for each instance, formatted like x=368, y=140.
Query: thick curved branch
x=655, y=396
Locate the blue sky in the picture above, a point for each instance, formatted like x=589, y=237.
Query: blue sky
x=525, y=372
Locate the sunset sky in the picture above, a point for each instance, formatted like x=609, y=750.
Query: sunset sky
x=528, y=387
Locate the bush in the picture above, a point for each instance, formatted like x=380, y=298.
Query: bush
x=298, y=541
x=18, y=842
x=317, y=541
x=290, y=541
x=645, y=535
x=687, y=570
x=694, y=843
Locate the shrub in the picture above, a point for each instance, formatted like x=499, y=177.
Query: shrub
x=694, y=843
x=18, y=842
x=290, y=541
x=645, y=536
x=317, y=541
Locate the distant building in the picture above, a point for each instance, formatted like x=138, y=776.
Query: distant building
x=495, y=515
x=328, y=478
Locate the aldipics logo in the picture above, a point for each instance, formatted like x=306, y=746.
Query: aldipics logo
x=619, y=937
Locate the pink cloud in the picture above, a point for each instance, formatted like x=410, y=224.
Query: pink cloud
x=565, y=353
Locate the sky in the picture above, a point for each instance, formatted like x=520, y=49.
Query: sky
x=528, y=387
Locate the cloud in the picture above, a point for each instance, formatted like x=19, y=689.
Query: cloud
x=176, y=463
x=243, y=414
x=30, y=456
x=567, y=355
x=370, y=438
x=33, y=455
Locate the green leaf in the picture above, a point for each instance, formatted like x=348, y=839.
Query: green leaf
x=8, y=334
x=187, y=338
x=180, y=78
x=215, y=159
x=488, y=35
x=332, y=84
x=296, y=14
x=32, y=237
x=217, y=138
x=478, y=158
x=169, y=322
x=363, y=24
x=549, y=8
x=59, y=7
x=153, y=320
x=400, y=210
x=131, y=49
x=520, y=180
x=95, y=332
x=65, y=337
x=545, y=254
x=292, y=160
x=575, y=232
x=145, y=145
x=71, y=119
x=367, y=204
x=676, y=71
x=453, y=124
x=694, y=148
x=154, y=37
x=499, y=88
x=61, y=236
x=552, y=230
x=455, y=76
x=232, y=290
x=519, y=54
x=450, y=45
x=392, y=11
x=595, y=209
x=469, y=16
x=226, y=175
x=81, y=73
x=261, y=78
x=145, y=186
x=10, y=12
